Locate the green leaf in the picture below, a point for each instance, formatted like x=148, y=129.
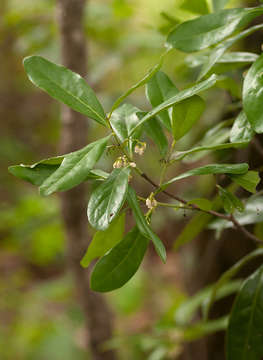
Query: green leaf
x=241, y=130
x=220, y=49
x=123, y=120
x=207, y=30
x=201, y=329
x=202, y=203
x=64, y=85
x=192, y=229
x=185, y=313
x=210, y=169
x=227, y=276
x=103, y=241
x=230, y=201
x=107, y=199
x=182, y=95
x=245, y=329
x=186, y=114
x=114, y=269
x=195, y=60
x=179, y=155
x=253, y=96
x=159, y=89
x=252, y=214
x=195, y=6
x=140, y=83
x=248, y=181
x=155, y=131
x=219, y=4
x=74, y=168
x=36, y=175
x=143, y=226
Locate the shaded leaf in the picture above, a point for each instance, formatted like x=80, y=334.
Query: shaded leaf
x=64, y=85
x=207, y=30
x=248, y=181
x=103, y=241
x=227, y=276
x=159, y=89
x=202, y=203
x=185, y=313
x=155, y=131
x=185, y=115
x=253, y=96
x=201, y=329
x=114, y=269
x=74, y=168
x=143, y=226
x=107, y=199
x=245, y=330
x=180, y=96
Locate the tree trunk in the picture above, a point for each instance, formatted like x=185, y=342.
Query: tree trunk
x=98, y=318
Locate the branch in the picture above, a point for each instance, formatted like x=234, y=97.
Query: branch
x=230, y=218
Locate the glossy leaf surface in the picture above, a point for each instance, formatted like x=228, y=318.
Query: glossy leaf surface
x=143, y=226
x=207, y=30
x=64, y=85
x=159, y=89
x=114, y=269
x=185, y=115
x=241, y=130
x=245, y=329
x=123, y=120
x=180, y=96
x=253, y=96
x=103, y=241
x=107, y=199
x=74, y=168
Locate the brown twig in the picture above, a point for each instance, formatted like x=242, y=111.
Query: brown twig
x=230, y=218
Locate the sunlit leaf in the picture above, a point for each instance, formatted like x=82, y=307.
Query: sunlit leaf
x=241, y=130
x=253, y=96
x=107, y=199
x=207, y=30
x=64, y=85
x=74, y=168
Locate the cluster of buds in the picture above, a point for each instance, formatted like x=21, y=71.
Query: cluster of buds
x=150, y=202
x=140, y=148
x=120, y=162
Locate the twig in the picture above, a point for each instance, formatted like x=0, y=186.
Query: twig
x=230, y=218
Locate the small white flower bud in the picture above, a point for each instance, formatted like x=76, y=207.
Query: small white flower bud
x=132, y=164
x=140, y=148
x=151, y=203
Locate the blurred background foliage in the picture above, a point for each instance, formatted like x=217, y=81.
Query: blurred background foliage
x=40, y=318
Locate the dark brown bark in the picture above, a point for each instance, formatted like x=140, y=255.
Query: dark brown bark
x=98, y=318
